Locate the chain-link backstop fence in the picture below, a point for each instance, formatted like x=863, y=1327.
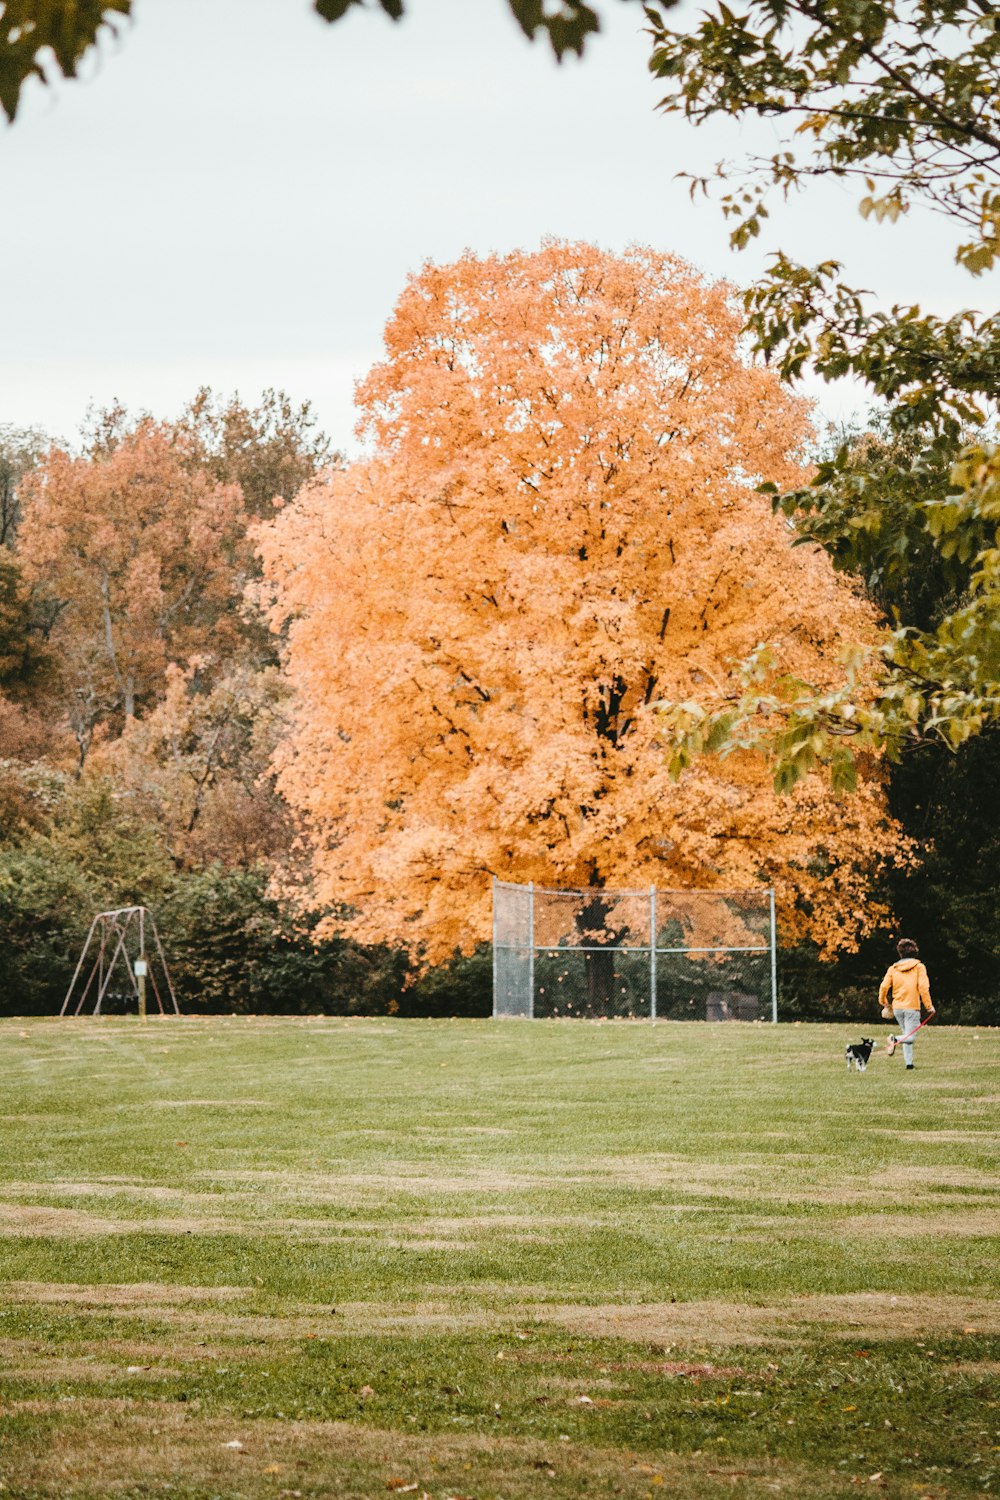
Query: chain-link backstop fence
x=676, y=955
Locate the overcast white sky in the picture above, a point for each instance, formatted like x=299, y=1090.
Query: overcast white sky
x=236, y=192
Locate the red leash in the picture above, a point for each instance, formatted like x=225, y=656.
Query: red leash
x=897, y=1041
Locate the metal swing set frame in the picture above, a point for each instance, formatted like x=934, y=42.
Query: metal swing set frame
x=112, y=932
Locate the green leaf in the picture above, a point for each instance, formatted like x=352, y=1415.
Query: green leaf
x=31, y=29
x=332, y=10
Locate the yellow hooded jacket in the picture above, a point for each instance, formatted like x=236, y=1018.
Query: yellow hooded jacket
x=909, y=985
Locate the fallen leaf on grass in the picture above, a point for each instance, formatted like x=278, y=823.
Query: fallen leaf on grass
x=366, y=1391
x=400, y=1486
x=234, y=1444
x=582, y=1401
x=273, y=1469
x=136, y=1369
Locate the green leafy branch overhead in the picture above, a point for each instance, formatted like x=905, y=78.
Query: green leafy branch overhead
x=566, y=23
x=30, y=30
x=900, y=96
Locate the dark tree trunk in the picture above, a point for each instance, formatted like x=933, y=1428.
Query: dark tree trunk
x=600, y=971
x=598, y=965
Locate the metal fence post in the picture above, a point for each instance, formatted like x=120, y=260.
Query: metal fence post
x=774, y=961
x=531, y=950
x=494, y=947
x=652, y=952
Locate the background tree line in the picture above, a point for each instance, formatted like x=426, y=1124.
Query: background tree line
x=141, y=702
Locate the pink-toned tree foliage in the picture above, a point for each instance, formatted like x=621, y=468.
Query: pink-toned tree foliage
x=142, y=557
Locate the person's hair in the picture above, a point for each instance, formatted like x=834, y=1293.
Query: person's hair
x=907, y=948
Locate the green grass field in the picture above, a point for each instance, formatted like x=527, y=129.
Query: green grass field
x=283, y=1257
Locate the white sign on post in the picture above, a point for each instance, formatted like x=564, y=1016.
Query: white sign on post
x=140, y=968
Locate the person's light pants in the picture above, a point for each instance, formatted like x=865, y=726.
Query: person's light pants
x=907, y=1021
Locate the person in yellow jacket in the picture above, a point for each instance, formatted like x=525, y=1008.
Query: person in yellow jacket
x=907, y=988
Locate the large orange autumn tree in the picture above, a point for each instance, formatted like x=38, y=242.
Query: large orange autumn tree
x=556, y=528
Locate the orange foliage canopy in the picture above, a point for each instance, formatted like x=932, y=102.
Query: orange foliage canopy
x=555, y=528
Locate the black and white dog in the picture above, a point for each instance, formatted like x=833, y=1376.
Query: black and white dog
x=858, y=1053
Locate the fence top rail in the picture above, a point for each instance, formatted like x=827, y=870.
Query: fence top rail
x=602, y=890
x=566, y=948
